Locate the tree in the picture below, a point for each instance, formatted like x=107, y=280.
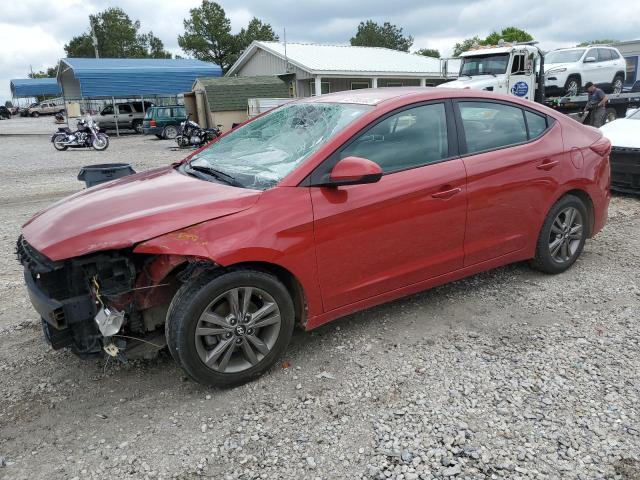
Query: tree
x=118, y=37
x=508, y=34
x=207, y=35
x=465, y=45
x=372, y=34
x=605, y=41
x=429, y=52
x=50, y=72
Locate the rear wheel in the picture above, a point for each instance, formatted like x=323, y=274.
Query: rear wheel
x=572, y=87
x=137, y=126
x=170, y=132
x=618, y=82
x=611, y=114
x=562, y=236
x=57, y=143
x=225, y=329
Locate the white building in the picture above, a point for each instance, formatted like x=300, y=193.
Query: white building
x=333, y=68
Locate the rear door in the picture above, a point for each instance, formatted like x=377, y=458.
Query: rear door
x=408, y=227
x=591, y=70
x=512, y=157
x=607, y=68
x=125, y=114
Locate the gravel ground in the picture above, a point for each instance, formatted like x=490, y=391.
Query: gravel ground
x=508, y=374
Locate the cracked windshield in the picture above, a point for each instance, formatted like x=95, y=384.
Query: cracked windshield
x=261, y=153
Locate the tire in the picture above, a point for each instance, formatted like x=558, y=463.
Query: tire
x=100, y=143
x=551, y=255
x=617, y=84
x=159, y=137
x=60, y=148
x=207, y=296
x=612, y=114
x=35, y=114
x=170, y=132
x=137, y=126
x=573, y=86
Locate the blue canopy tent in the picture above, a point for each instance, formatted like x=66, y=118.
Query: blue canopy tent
x=34, y=87
x=83, y=78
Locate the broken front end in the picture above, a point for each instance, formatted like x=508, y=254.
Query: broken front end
x=113, y=301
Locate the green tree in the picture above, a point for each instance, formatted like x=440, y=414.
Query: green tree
x=372, y=34
x=118, y=37
x=465, y=45
x=48, y=73
x=429, y=52
x=604, y=41
x=207, y=35
x=508, y=34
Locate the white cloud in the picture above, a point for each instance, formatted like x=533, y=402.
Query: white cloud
x=33, y=32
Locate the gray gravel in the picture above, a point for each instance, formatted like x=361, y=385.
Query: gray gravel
x=508, y=374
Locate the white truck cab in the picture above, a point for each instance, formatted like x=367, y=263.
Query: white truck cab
x=506, y=68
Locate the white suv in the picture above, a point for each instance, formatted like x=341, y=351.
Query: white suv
x=568, y=69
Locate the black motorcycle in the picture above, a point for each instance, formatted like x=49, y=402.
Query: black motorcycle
x=87, y=135
x=192, y=135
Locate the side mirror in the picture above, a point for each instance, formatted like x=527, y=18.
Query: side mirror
x=589, y=59
x=354, y=171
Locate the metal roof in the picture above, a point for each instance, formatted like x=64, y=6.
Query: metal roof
x=319, y=59
x=233, y=93
x=34, y=87
x=122, y=77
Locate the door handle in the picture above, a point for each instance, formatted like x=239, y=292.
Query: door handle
x=446, y=193
x=547, y=164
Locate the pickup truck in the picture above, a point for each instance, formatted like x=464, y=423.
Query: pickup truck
x=44, y=108
x=127, y=115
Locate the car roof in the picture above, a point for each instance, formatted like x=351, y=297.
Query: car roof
x=381, y=96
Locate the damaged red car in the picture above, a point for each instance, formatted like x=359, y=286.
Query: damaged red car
x=317, y=209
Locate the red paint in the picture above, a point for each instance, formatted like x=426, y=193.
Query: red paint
x=354, y=168
x=349, y=247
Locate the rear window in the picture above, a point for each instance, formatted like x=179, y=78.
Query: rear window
x=149, y=114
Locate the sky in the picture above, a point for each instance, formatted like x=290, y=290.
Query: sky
x=33, y=32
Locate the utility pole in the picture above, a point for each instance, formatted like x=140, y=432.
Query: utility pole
x=95, y=40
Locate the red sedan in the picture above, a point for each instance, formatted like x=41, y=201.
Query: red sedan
x=315, y=210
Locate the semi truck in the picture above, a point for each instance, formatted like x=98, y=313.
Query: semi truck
x=518, y=69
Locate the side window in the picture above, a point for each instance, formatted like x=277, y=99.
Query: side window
x=179, y=112
x=107, y=110
x=604, y=54
x=518, y=64
x=614, y=55
x=537, y=123
x=488, y=125
x=592, y=52
x=124, y=108
x=408, y=139
x=163, y=113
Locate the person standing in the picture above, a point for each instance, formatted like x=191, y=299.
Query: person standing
x=595, y=105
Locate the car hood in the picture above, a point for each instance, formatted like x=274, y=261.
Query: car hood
x=124, y=212
x=623, y=132
x=477, y=82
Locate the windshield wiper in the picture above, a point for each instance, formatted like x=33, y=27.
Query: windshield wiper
x=217, y=174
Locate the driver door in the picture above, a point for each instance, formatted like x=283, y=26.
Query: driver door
x=406, y=228
x=521, y=81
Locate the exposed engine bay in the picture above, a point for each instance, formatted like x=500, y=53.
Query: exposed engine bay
x=109, y=302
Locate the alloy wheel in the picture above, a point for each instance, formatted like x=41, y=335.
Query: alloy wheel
x=565, y=235
x=572, y=88
x=617, y=86
x=237, y=330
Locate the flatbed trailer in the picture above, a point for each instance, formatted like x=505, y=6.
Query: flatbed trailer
x=617, y=105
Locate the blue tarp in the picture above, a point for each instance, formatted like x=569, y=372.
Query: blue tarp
x=130, y=77
x=34, y=87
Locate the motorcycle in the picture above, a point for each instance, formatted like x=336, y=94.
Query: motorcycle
x=191, y=134
x=87, y=135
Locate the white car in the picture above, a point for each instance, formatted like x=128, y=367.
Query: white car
x=567, y=70
x=624, y=135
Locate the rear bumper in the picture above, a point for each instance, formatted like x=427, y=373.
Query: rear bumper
x=152, y=130
x=625, y=169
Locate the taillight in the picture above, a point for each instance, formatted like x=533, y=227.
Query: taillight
x=602, y=147
x=152, y=123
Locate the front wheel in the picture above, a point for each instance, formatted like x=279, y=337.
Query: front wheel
x=562, y=236
x=572, y=87
x=35, y=114
x=225, y=329
x=100, y=142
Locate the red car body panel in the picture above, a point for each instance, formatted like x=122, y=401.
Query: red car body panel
x=356, y=246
